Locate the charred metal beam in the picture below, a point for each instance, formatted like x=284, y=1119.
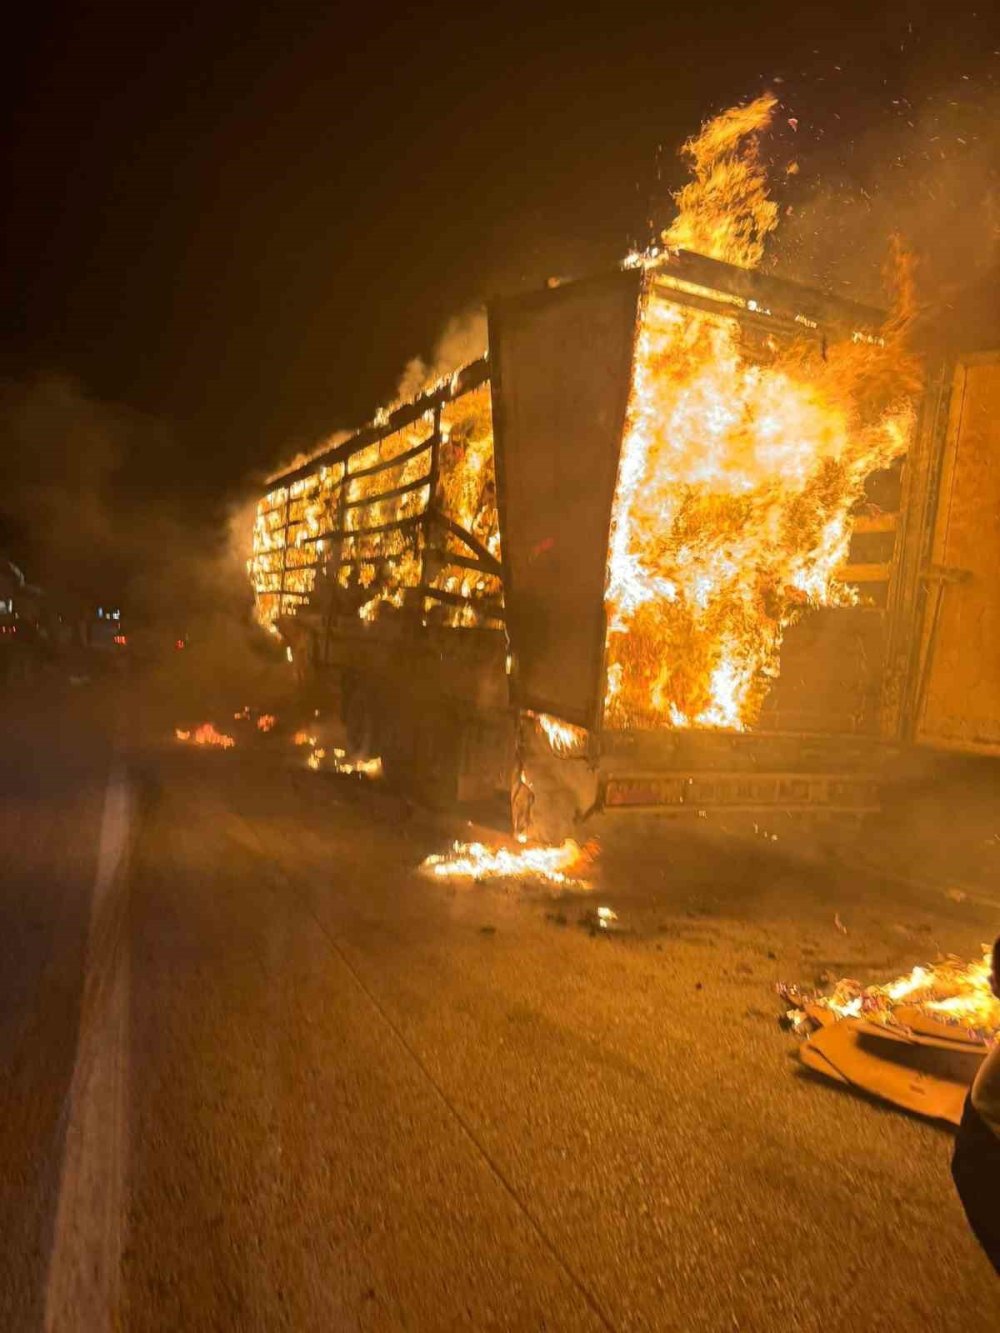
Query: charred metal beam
x=445, y=558
x=384, y=464
x=489, y=562
x=389, y=495
x=483, y=605
x=339, y=534
x=777, y=295
x=463, y=381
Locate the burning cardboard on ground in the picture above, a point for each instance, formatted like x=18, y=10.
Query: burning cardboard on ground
x=916, y=1042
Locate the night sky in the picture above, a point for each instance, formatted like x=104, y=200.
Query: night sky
x=243, y=220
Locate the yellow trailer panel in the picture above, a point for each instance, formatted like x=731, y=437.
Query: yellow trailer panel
x=958, y=700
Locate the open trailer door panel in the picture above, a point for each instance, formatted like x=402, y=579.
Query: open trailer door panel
x=958, y=699
x=560, y=372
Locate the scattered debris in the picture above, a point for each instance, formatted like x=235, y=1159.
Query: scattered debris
x=601, y=920
x=956, y=895
x=916, y=1041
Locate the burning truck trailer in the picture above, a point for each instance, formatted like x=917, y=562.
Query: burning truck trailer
x=734, y=555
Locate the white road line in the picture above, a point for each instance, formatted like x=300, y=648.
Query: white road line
x=83, y=1286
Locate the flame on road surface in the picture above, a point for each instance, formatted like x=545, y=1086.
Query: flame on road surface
x=339, y=762
x=206, y=734
x=742, y=460
x=951, y=991
x=266, y=722
x=367, y=768
x=554, y=865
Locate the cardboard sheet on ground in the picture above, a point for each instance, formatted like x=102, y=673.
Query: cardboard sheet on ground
x=909, y=1036
x=928, y=1076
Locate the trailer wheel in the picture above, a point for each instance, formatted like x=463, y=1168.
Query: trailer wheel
x=422, y=752
x=396, y=746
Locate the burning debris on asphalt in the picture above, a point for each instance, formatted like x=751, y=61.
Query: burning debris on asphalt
x=206, y=734
x=916, y=1041
x=339, y=762
x=560, y=866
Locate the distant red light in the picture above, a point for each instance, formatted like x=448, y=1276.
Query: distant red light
x=121, y=639
x=179, y=644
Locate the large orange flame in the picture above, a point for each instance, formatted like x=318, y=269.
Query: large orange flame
x=741, y=461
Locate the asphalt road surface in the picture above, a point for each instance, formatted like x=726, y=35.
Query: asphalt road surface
x=260, y=1074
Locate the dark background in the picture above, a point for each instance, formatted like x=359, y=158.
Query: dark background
x=230, y=225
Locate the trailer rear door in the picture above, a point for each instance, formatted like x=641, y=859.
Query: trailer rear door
x=958, y=703
x=560, y=372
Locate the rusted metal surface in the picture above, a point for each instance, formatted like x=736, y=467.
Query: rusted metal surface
x=958, y=676
x=561, y=368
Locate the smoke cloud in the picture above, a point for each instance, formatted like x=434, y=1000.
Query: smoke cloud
x=930, y=172
x=462, y=340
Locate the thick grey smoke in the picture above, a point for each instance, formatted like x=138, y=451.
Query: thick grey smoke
x=60, y=454
x=84, y=511
x=462, y=340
